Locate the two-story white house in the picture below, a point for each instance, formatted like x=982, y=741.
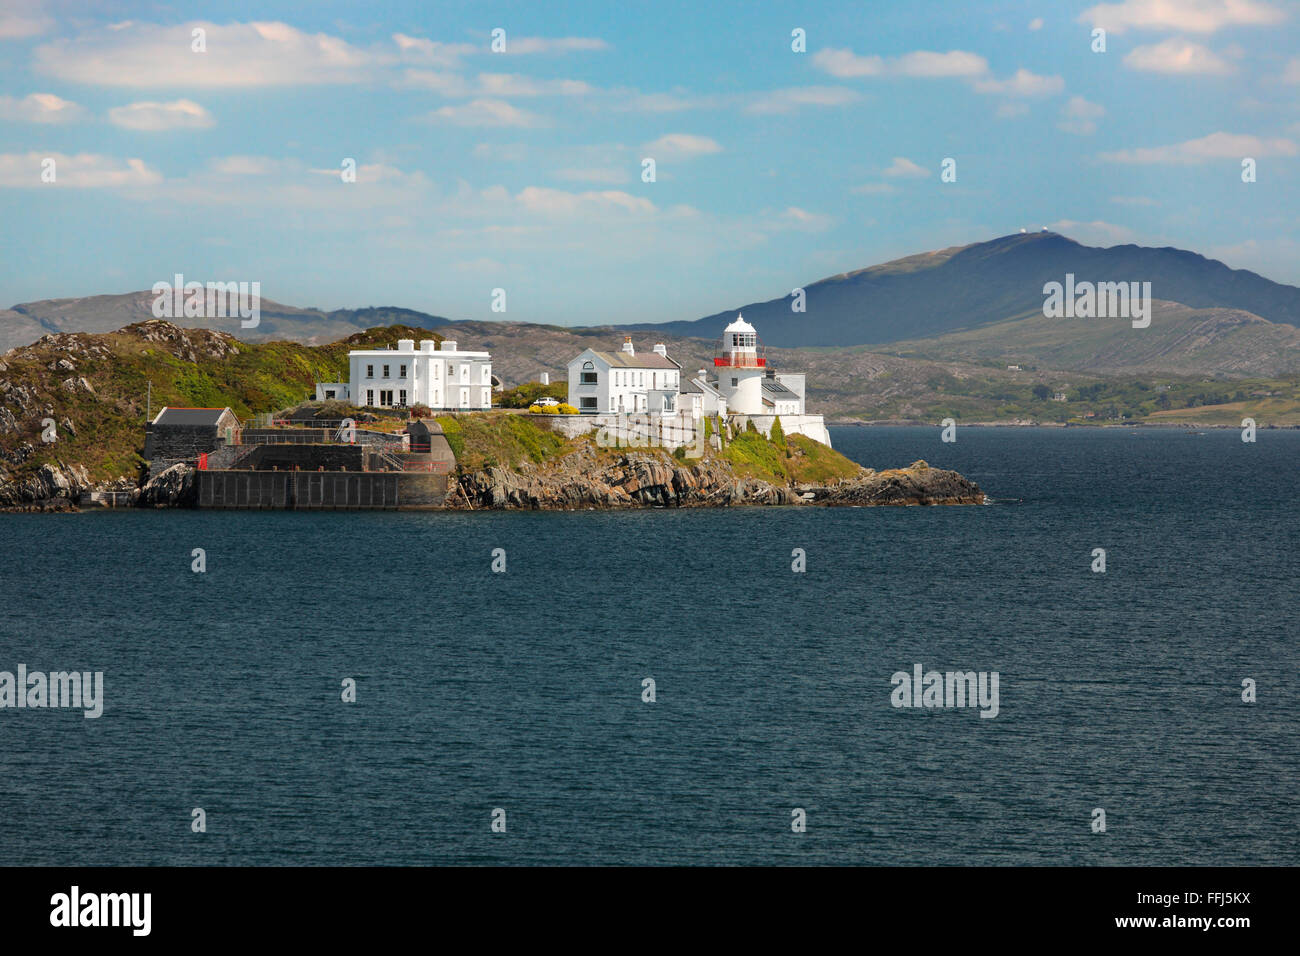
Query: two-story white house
x=444, y=379
x=624, y=381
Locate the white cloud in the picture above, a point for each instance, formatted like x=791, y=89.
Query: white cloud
x=1215, y=146
x=23, y=18
x=952, y=63
x=792, y=217
x=1036, y=23
x=431, y=51
x=790, y=99
x=238, y=55
x=82, y=171
x=673, y=102
x=246, y=166
x=491, y=84
x=486, y=112
x=904, y=168
x=607, y=175
x=39, y=108
x=448, y=84
x=1177, y=55
x=846, y=64
x=1011, y=110
x=1192, y=16
x=1093, y=233
x=513, y=84
x=1079, y=116
x=558, y=203
x=501, y=152
x=1292, y=73
x=681, y=146
x=1021, y=83
x=554, y=45
x=875, y=189
x=152, y=117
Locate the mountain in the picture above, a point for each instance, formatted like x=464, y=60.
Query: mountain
x=25, y=323
x=966, y=287
x=1180, y=341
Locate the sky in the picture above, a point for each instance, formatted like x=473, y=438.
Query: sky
x=790, y=142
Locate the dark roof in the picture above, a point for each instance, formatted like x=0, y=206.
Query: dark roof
x=190, y=416
x=688, y=385
x=776, y=388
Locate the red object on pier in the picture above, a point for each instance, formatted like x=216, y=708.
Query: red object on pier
x=203, y=461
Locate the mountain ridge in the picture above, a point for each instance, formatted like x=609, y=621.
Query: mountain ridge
x=965, y=287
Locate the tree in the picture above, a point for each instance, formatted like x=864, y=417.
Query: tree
x=1042, y=392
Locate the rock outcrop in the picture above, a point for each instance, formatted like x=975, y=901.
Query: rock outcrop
x=641, y=480
x=173, y=487
x=918, y=484
x=50, y=488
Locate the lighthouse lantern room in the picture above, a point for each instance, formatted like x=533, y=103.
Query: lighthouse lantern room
x=741, y=368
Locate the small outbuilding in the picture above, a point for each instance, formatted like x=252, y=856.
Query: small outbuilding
x=186, y=433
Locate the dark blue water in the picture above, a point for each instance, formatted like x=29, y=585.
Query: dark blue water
x=523, y=690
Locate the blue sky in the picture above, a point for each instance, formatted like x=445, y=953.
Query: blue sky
x=522, y=169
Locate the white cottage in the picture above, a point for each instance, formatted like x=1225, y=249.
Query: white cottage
x=442, y=378
x=624, y=381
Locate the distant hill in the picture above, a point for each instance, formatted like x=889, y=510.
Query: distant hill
x=25, y=323
x=1180, y=341
x=966, y=287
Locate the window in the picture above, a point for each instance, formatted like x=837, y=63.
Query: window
x=735, y=382
x=385, y=371
x=435, y=369
x=588, y=378
x=464, y=373
x=370, y=371
x=486, y=400
x=464, y=398
x=401, y=371
x=486, y=377
x=587, y=404
x=370, y=396
x=401, y=396
x=329, y=393
x=385, y=397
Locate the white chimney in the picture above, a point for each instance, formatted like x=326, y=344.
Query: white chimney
x=428, y=345
x=448, y=345
x=627, y=346
x=660, y=349
x=546, y=378
x=406, y=345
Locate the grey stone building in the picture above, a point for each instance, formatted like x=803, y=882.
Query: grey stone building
x=182, y=434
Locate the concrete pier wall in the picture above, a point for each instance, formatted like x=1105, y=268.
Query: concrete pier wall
x=314, y=490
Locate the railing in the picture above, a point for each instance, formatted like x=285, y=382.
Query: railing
x=724, y=362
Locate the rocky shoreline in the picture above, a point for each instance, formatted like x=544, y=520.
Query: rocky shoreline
x=641, y=480
x=578, y=481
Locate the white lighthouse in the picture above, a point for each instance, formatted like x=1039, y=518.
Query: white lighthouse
x=741, y=369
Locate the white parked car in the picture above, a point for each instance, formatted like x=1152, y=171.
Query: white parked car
x=546, y=402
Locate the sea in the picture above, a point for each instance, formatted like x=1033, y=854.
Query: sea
x=668, y=686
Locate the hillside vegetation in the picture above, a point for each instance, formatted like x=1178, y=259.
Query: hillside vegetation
x=95, y=387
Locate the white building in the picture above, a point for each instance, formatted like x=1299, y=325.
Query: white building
x=624, y=381
x=743, y=389
x=444, y=379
